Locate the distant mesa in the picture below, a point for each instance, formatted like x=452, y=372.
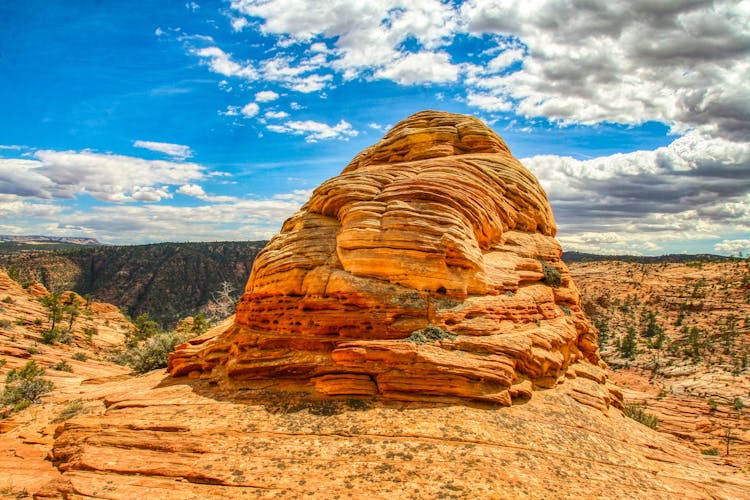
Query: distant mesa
x=37, y=239
x=426, y=271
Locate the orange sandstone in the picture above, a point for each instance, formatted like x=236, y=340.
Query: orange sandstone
x=435, y=225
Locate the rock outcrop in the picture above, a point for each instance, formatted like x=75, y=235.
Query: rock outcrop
x=174, y=438
x=427, y=269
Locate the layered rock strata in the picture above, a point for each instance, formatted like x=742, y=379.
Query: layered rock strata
x=435, y=227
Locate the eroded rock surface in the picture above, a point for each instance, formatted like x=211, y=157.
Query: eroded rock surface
x=436, y=226
x=164, y=437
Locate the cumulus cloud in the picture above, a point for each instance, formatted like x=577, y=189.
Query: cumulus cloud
x=422, y=67
x=627, y=62
x=106, y=177
x=316, y=131
x=681, y=63
x=694, y=188
x=733, y=247
x=177, y=151
x=230, y=220
x=250, y=109
x=266, y=96
x=193, y=190
x=276, y=115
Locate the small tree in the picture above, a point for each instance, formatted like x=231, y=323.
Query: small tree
x=628, y=345
x=144, y=328
x=72, y=309
x=25, y=386
x=53, y=303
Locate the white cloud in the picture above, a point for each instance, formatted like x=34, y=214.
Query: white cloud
x=674, y=62
x=488, y=102
x=192, y=6
x=250, y=109
x=107, y=177
x=276, y=115
x=193, y=190
x=239, y=23
x=315, y=131
x=733, y=247
x=422, y=67
x=266, y=96
x=220, y=62
x=230, y=220
x=177, y=151
x=694, y=188
x=231, y=111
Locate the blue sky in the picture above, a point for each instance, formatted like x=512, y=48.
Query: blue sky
x=136, y=122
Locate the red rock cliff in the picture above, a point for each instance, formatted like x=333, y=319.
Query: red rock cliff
x=435, y=225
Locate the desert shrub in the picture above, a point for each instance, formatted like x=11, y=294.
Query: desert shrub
x=38, y=322
x=710, y=451
x=637, y=413
x=63, y=366
x=4, y=323
x=89, y=332
x=70, y=410
x=49, y=336
x=3, y=361
x=738, y=404
x=80, y=356
x=566, y=310
x=712, y=405
x=8, y=300
x=33, y=350
x=429, y=334
x=552, y=276
x=144, y=328
x=151, y=353
x=25, y=385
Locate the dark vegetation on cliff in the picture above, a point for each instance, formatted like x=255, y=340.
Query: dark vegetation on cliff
x=168, y=281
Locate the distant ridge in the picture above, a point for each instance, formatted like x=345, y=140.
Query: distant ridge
x=31, y=239
x=644, y=259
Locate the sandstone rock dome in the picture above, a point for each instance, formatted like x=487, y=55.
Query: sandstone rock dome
x=426, y=270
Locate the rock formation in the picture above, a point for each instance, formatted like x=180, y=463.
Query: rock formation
x=422, y=278
x=427, y=269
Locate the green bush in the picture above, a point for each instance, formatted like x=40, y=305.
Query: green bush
x=89, y=332
x=63, y=366
x=49, y=336
x=80, y=356
x=636, y=412
x=429, y=334
x=710, y=451
x=25, y=385
x=552, y=276
x=150, y=354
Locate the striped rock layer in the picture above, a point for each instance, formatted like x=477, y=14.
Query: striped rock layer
x=435, y=225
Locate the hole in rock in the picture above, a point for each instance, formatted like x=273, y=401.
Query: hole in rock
x=441, y=290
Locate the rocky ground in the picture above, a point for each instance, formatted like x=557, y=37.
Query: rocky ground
x=76, y=369
x=688, y=362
